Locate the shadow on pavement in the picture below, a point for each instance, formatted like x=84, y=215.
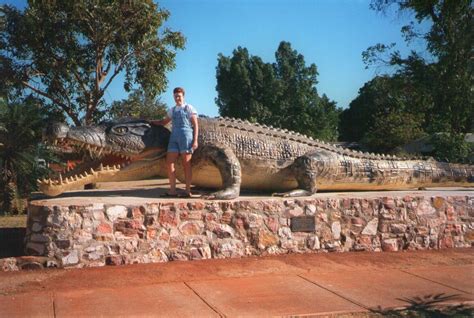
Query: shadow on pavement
x=429, y=306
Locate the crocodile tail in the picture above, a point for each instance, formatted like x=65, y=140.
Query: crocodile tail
x=453, y=173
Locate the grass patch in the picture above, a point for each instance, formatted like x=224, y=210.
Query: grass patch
x=13, y=221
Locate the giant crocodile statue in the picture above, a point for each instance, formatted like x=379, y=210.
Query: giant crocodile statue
x=234, y=154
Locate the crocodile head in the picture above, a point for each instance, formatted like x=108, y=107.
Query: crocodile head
x=111, y=151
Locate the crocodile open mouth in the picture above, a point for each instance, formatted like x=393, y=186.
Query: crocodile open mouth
x=96, y=163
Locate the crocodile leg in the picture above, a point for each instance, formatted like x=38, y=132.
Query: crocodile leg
x=229, y=167
x=305, y=170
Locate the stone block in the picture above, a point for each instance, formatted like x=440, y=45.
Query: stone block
x=70, y=258
x=446, y=242
x=152, y=209
x=312, y=242
x=398, y=228
x=425, y=208
x=227, y=248
x=114, y=260
x=36, y=227
x=62, y=244
x=191, y=228
x=104, y=228
x=168, y=217
x=310, y=209
x=227, y=216
x=196, y=205
x=358, y=222
x=266, y=239
x=130, y=228
x=438, y=202
x=389, y=203
x=450, y=213
x=115, y=212
x=390, y=245
x=293, y=211
x=190, y=215
x=138, y=212
x=336, y=230
x=9, y=264
x=221, y=230
x=363, y=243
x=383, y=227
x=371, y=227
x=272, y=223
x=211, y=217
x=35, y=249
x=40, y=238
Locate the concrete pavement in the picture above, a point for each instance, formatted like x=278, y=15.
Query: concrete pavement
x=327, y=284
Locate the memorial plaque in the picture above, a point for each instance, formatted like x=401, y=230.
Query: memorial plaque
x=303, y=224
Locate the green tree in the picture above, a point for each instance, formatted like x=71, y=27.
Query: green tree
x=444, y=74
x=282, y=94
x=138, y=105
x=69, y=52
x=21, y=125
x=244, y=85
x=382, y=116
x=327, y=117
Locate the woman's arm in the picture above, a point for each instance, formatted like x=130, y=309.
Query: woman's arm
x=162, y=122
x=194, y=122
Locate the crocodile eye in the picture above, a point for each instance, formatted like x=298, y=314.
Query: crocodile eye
x=120, y=130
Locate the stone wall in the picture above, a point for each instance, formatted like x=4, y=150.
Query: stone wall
x=111, y=234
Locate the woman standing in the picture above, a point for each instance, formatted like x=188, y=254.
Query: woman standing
x=183, y=139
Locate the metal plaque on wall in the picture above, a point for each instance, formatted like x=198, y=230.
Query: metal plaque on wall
x=303, y=224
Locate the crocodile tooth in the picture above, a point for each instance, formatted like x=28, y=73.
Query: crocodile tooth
x=92, y=170
x=39, y=181
x=60, y=178
x=101, y=167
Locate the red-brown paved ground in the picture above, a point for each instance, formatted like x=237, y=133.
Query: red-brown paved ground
x=304, y=284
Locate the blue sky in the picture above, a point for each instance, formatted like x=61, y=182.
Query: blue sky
x=329, y=33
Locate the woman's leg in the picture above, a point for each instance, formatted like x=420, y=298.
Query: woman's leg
x=170, y=160
x=186, y=160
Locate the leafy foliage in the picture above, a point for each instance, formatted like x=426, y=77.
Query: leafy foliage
x=382, y=117
x=21, y=128
x=436, y=83
x=138, y=105
x=282, y=94
x=69, y=52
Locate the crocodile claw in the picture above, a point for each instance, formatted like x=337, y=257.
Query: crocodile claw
x=226, y=194
x=293, y=193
